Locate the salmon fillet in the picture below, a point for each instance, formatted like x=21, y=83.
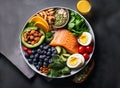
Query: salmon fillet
x=66, y=39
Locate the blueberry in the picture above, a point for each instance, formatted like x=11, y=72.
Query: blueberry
x=35, y=63
x=46, y=60
x=40, y=57
x=45, y=64
x=53, y=49
x=26, y=55
x=52, y=54
x=36, y=55
x=38, y=51
x=33, y=51
x=41, y=46
x=45, y=47
x=37, y=67
x=43, y=59
x=40, y=60
x=50, y=60
x=48, y=57
x=40, y=63
x=31, y=56
x=44, y=52
x=49, y=50
x=48, y=53
x=55, y=52
x=34, y=60
x=30, y=61
x=43, y=56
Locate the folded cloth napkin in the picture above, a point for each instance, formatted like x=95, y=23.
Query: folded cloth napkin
x=10, y=47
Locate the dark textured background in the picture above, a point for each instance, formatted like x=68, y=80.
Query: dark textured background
x=105, y=20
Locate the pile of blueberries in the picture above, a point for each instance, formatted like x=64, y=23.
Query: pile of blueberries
x=41, y=56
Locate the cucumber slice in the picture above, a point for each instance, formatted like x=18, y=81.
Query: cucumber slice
x=58, y=48
x=66, y=55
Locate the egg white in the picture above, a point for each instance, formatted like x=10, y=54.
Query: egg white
x=80, y=63
x=89, y=36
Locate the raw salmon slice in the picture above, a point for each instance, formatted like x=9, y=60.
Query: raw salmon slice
x=66, y=39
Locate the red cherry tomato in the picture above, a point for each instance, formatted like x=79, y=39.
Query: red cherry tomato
x=86, y=56
x=89, y=49
x=81, y=49
x=29, y=51
x=24, y=48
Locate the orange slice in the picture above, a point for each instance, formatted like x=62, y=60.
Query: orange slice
x=40, y=22
x=42, y=26
x=84, y=6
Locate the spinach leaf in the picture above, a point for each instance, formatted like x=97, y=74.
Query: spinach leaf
x=76, y=24
x=48, y=36
x=30, y=24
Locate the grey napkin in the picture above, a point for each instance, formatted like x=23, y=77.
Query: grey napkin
x=10, y=47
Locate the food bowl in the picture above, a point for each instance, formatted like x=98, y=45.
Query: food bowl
x=59, y=13
x=35, y=56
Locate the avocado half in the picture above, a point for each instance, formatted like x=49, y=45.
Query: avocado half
x=35, y=45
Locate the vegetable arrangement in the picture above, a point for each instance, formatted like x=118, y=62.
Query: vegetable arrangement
x=57, y=42
x=77, y=24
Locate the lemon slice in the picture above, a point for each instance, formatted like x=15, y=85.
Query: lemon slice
x=42, y=26
x=84, y=6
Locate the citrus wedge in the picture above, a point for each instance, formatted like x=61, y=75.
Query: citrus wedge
x=40, y=23
x=42, y=26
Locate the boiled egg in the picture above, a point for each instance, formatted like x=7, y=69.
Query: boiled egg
x=75, y=61
x=85, y=38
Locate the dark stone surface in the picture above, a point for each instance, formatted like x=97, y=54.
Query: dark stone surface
x=105, y=20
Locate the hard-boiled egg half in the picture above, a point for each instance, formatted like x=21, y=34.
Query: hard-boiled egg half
x=75, y=61
x=85, y=38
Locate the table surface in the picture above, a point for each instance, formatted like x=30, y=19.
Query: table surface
x=105, y=23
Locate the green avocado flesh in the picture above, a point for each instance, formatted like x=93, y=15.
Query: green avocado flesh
x=29, y=45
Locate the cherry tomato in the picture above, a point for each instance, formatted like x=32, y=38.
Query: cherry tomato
x=81, y=49
x=86, y=56
x=24, y=48
x=89, y=49
x=29, y=51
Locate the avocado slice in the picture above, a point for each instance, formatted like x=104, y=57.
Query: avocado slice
x=63, y=58
x=35, y=45
x=58, y=48
x=63, y=51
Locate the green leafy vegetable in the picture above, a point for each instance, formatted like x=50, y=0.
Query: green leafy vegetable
x=53, y=73
x=58, y=67
x=65, y=70
x=77, y=24
x=30, y=24
x=48, y=36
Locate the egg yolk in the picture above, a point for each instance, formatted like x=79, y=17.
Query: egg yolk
x=73, y=61
x=83, y=38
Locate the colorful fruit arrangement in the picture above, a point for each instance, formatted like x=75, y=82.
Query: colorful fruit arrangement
x=57, y=42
